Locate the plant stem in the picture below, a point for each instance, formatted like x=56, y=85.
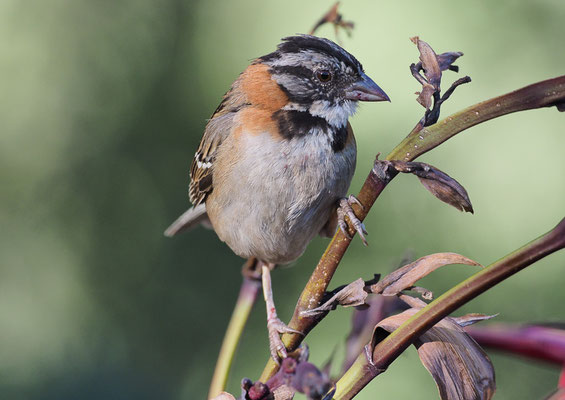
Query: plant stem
x=419, y=141
x=367, y=366
x=538, y=95
x=247, y=296
x=542, y=343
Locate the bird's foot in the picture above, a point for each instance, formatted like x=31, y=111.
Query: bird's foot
x=276, y=327
x=345, y=209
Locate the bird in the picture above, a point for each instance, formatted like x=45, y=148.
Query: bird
x=277, y=157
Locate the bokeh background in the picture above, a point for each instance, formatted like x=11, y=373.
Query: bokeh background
x=103, y=105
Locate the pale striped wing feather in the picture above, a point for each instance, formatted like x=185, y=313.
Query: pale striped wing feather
x=217, y=129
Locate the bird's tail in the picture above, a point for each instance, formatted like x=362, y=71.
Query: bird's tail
x=188, y=220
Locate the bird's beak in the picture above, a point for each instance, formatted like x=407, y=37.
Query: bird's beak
x=365, y=89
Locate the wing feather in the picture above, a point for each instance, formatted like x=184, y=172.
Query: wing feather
x=217, y=129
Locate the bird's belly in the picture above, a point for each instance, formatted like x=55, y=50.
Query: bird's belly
x=280, y=197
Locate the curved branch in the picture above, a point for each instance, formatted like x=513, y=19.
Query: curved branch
x=542, y=94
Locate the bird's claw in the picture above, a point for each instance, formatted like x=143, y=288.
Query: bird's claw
x=276, y=327
x=345, y=209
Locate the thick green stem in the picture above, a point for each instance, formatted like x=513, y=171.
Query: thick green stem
x=419, y=141
x=368, y=365
x=247, y=296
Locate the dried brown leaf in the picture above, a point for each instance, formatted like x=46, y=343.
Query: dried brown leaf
x=330, y=17
x=446, y=60
x=351, y=295
x=413, y=302
x=429, y=61
x=425, y=293
x=363, y=322
x=470, y=319
x=336, y=19
x=462, y=321
x=425, y=96
x=406, y=276
x=448, y=190
x=460, y=368
x=438, y=183
x=444, y=187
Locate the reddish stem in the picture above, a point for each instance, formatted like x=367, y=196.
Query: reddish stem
x=537, y=342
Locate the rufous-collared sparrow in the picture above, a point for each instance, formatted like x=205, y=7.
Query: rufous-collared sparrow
x=278, y=155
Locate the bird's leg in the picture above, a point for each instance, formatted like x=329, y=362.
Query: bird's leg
x=274, y=325
x=344, y=209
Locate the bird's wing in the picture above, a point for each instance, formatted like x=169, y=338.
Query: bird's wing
x=201, y=185
x=217, y=129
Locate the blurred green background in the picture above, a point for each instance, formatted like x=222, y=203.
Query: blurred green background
x=103, y=105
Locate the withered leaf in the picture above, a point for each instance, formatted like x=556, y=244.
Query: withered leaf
x=429, y=61
x=331, y=16
x=413, y=302
x=460, y=368
x=425, y=293
x=447, y=190
x=462, y=321
x=363, y=321
x=406, y=276
x=446, y=60
x=425, y=96
x=336, y=19
x=352, y=295
x=438, y=183
x=470, y=319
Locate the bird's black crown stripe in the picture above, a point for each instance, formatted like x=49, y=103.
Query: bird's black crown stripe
x=296, y=44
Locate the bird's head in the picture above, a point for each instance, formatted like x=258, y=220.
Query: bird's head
x=321, y=77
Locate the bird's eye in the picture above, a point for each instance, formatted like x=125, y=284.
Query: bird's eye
x=324, y=75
